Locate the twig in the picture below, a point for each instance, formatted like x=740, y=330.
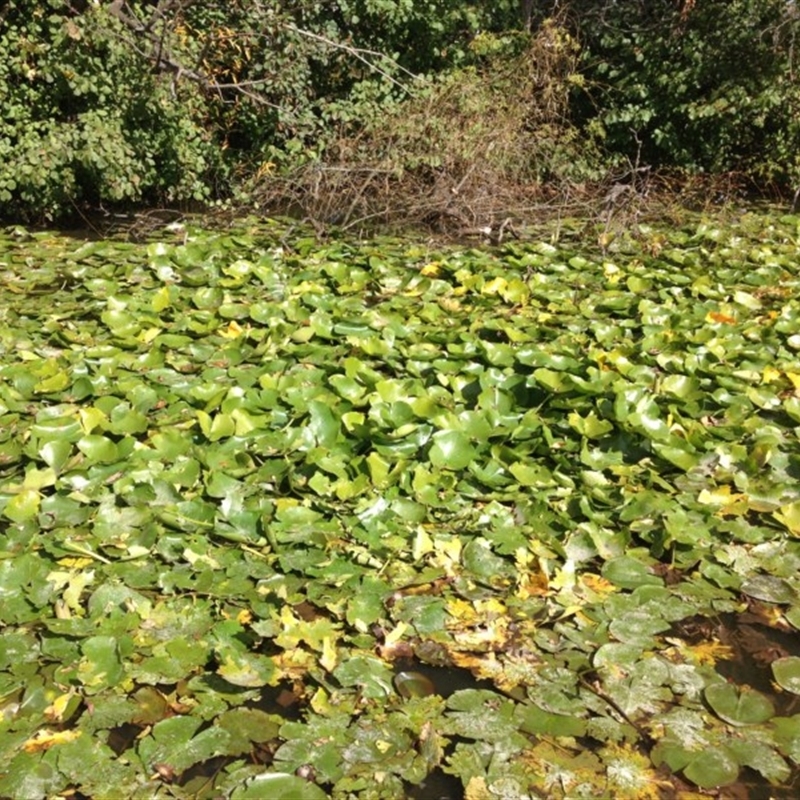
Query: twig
x=360, y=54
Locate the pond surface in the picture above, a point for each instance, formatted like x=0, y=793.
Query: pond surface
x=248, y=478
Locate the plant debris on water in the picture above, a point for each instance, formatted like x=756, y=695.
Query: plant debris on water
x=262, y=494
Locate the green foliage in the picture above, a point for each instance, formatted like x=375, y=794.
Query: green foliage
x=121, y=103
x=244, y=476
x=707, y=86
x=85, y=119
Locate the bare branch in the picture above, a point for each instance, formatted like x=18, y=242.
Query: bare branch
x=359, y=53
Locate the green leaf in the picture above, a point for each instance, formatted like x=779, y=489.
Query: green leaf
x=23, y=506
x=98, y=449
x=715, y=766
x=278, y=786
x=769, y=588
x=451, y=450
x=629, y=573
x=531, y=474
x=787, y=673
x=590, y=426
x=739, y=706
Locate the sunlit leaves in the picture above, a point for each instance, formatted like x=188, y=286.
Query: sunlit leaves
x=739, y=707
x=286, y=500
x=787, y=673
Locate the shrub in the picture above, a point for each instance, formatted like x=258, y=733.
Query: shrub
x=470, y=145
x=703, y=85
x=87, y=121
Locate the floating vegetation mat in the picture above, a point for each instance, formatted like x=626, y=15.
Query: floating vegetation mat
x=283, y=518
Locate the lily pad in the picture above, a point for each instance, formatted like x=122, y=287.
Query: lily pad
x=715, y=766
x=278, y=786
x=739, y=706
x=787, y=673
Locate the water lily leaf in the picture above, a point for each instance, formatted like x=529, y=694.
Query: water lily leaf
x=637, y=627
x=413, y=684
x=371, y=675
x=789, y=515
x=787, y=673
x=278, y=786
x=55, y=453
x=247, y=725
x=176, y=743
x=98, y=449
x=787, y=736
x=480, y=562
x=319, y=741
x=531, y=474
x=537, y=721
x=761, y=757
x=681, y=456
x=629, y=573
x=590, y=426
x=484, y=716
x=101, y=665
x=23, y=506
x=451, y=450
x=29, y=775
x=739, y=706
x=245, y=669
x=769, y=588
x=793, y=616
x=714, y=766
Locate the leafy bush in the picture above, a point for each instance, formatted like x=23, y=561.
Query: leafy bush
x=86, y=121
x=470, y=144
x=704, y=86
x=133, y=102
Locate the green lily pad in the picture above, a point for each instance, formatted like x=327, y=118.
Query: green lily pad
x=713, y=767
x=787, y=673
x=739, y=706
x=769, y=588
x=278, y=786
x=451, y=450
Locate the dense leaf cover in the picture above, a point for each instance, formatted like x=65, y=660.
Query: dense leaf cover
x=262, y=498
x=135, y=103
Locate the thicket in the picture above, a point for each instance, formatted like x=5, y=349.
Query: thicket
x=353, y=109
x=700, y=85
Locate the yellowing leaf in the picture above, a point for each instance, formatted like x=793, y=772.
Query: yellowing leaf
x=630, y=774
x=495, y=286
x=477, y=789
x=55, y=711
x=23, y=506
x=329, y=657
x=430, y=270
x=396, y=634
x=598, y=584
x=612, y=272
x=148, y=335
x=447, y=554
x=789, y=515
x=719, y=496
x=245, y=616
x=92, y=418
x=71, y=562
x=461, y=610
x=708, y=652
x=161, y=299
x=233, y=331
x=44, y=740
x=719, y=317
x=770, y=374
